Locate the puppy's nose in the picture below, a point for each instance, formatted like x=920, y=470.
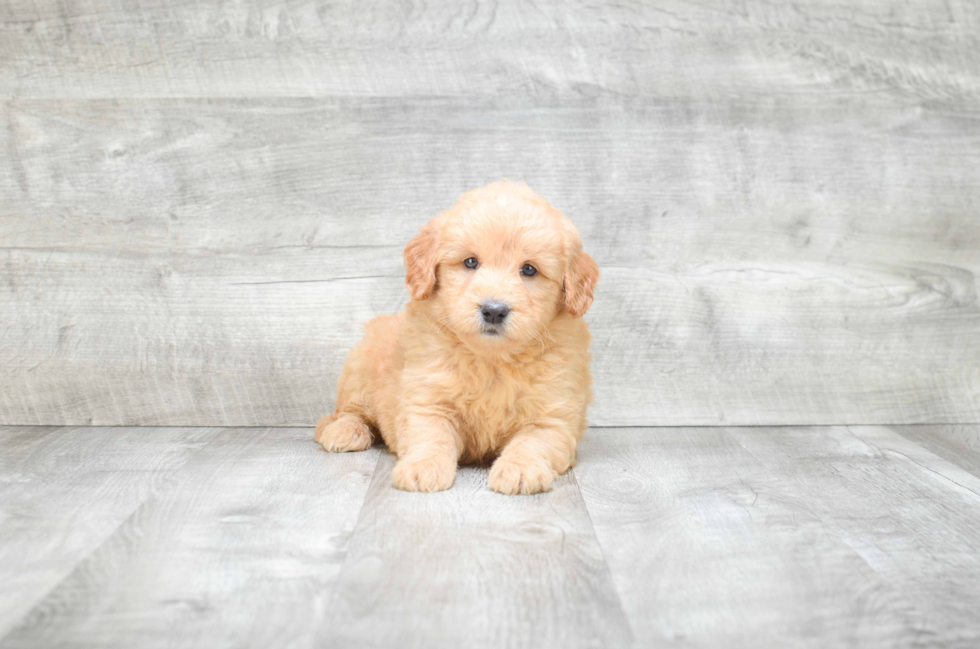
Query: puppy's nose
x=494, y=312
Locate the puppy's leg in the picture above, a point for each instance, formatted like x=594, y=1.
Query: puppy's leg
x=532, y=459
x=343, y=432
x=428, y=450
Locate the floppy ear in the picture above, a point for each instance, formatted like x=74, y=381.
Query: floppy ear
x=420, y=263
x=579, y=283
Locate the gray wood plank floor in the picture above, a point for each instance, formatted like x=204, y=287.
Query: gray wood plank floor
x=63, y=492
x=703, y=537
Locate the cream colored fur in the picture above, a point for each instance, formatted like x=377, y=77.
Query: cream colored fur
x=441, y=392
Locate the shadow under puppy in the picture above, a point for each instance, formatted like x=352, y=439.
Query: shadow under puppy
x=489, y=359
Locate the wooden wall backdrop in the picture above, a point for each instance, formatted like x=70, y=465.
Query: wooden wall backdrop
x=202, y=202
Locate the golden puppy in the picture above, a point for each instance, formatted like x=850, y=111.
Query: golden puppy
x=491, y=357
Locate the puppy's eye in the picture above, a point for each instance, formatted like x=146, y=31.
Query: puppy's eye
x=471, y=262
x=529, y=270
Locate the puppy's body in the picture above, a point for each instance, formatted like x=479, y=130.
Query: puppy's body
x=491, y=398
x=444, y=384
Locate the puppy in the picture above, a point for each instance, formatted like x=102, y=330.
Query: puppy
x=491, y=357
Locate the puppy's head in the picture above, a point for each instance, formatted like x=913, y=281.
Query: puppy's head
x=499, y=266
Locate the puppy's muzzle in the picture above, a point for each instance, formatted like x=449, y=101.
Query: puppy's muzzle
x=494, y=314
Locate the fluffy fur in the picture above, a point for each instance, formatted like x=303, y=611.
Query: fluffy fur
x=439, y=389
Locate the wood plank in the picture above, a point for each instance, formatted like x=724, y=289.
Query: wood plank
x=64, y=491
x=796, y=258
x=671, y=48
x=911, y=515
x=240, y=549
x=715, y=537
x=16, y=440
x=959, y=444
x=469, y=567
x=709, y=548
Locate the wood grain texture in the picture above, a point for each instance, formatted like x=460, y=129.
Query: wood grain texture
x=797, y=257
x=912, y=516
x=239, y=549
x=709, y=547
x=959, y=445
x=695, y=537
x=470, y=567
x=669, y=48
x=64, y=491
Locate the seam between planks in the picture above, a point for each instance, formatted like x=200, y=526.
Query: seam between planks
x=605, y=561
x=164, y=484
x=829, y=525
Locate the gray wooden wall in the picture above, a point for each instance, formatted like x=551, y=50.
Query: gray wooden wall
x=202, y=202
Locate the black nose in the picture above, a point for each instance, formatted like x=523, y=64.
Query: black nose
x=494, y=312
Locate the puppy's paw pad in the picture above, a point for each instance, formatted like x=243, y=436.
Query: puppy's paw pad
x=343, y=434
x=519, y=475
x=426, y=474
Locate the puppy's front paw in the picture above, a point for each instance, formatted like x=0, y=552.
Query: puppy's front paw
x=432, y=473
x=344, y=433
x=521, y=474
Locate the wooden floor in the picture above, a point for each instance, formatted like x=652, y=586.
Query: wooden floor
x=734, y=537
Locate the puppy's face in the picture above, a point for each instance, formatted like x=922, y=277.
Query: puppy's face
x=500, y=266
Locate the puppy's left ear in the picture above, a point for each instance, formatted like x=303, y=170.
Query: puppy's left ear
x=579, y=283
x=420, y=263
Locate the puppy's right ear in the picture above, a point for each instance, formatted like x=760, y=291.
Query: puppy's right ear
x=420, y=263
